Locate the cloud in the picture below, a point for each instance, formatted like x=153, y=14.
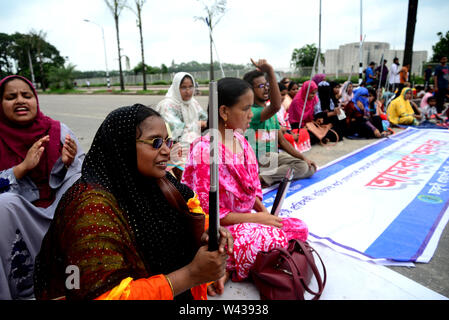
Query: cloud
x=249, y=29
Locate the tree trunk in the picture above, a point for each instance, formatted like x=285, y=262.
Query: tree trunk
x=410, y=34
x=122, y=85
x=31, y=68
x=144, y=71
x=41, y=67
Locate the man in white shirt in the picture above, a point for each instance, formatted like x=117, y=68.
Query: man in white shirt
x=393, y=77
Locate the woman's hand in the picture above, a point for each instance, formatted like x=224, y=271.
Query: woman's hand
x=337, y=110
x=32, y=158
x=264, y=217
x=226, y=241
x=69, y=150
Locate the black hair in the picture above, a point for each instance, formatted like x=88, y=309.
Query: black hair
x=372, y=63
x=372, y=91
x=291, y=84
x=186, y=76
x=142, y=113
x=334, y=84
x=230, y=90
x=250, y=76
x=3, y=86
x=282, y=86
x=431, y=98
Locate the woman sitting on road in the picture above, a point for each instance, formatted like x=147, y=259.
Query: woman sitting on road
x=297, y=110
x=40, y=159
x=401, y=112
x=184, y=115
x=241, y=209
x=117, y=228
x=358, y=118
x=327, y=111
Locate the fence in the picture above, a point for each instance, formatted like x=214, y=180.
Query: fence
x=200, y=76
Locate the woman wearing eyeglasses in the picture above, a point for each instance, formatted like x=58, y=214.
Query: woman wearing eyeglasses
x=115, y=235
x=184, y=115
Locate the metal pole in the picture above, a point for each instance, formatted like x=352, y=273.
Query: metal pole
x=214, y=221
x=319, y=41
x=361, y=43
x=381, y=70
x=108, y=81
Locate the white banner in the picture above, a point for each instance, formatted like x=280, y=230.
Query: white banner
x=387, y=202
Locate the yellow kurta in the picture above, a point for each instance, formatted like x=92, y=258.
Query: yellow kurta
x=400, y=110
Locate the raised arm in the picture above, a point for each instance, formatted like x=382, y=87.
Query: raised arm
x=275, y=95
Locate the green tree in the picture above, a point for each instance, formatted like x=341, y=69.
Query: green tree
x=441, y=48
x=6, y=62
x=305, y=56
x=62, y=77
x=29, y=55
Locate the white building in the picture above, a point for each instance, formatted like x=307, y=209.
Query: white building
x=345, y=59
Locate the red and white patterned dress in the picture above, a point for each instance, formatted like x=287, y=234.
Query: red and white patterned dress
x=239, y=185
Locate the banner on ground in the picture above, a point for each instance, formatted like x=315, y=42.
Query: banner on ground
x=387, y=202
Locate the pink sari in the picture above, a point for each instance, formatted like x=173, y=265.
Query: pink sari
x=239, y=186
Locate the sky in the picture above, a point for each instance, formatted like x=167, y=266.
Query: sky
x=249, y=28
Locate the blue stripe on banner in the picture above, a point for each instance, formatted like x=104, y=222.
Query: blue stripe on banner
x=295, y=186
x=407, y=236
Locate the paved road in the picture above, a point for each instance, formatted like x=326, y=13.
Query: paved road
x=84, y=114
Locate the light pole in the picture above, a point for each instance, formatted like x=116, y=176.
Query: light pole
x=105, y=58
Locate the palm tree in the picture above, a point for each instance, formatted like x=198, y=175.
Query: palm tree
x=138, y=13
x=62, y=77
x=216, y=10
x=116, y=7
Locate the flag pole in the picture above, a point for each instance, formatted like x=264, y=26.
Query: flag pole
x=214, y=222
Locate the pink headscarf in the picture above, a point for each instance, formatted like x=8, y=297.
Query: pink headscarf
x=15, y=141
x=297, y=105
x=318, y=78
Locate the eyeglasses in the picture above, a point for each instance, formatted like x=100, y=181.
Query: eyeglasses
x=186, y=88
x=263, y=85
x=156, y=143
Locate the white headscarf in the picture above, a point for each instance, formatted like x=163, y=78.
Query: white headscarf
x=345, y=96
x=174, y=92
x=182, y=116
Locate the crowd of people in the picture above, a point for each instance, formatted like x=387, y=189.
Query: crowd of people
x=99, y=225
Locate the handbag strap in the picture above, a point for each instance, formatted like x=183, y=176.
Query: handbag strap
x=336, y=141
x=172, y=195
x=311, y=262
x=297, y=282
x=309, y=257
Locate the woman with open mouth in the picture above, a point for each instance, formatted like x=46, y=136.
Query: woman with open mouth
x=40, y=158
